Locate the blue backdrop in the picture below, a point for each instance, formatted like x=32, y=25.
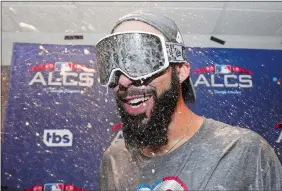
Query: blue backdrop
x=258, y=107
x=59, y=119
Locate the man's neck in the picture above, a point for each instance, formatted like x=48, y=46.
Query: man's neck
x=183, y=126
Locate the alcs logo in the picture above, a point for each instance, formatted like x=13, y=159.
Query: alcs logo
x=279, y=126
x=233, y=77
x=63, y=74
x=57, y=138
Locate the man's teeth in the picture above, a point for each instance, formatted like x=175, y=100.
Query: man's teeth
x=138, y=100
x=134, y=106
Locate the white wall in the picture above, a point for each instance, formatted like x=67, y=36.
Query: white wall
x=254, y=42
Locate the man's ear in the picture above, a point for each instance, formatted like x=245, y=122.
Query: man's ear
x=183, y=71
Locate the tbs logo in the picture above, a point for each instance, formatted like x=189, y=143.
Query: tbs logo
x=57, y=138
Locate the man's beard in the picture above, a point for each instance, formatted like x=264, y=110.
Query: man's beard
x=138, y=131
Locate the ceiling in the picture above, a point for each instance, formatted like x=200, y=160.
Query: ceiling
x=208, y=18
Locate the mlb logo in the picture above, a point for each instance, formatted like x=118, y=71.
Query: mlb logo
x=63, y=66
x=54, y=187
x=223, y=69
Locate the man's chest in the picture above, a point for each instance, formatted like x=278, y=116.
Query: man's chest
x=191, y=172
x=169, y=175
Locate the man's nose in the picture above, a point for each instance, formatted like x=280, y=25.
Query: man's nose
x=124, y=81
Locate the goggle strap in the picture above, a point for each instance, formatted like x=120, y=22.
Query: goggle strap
x=176, y=52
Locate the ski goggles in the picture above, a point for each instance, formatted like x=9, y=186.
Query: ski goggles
x=138, y=55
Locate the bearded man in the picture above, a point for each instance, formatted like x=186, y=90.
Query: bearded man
x=166, y=146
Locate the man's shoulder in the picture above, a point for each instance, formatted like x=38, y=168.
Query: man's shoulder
x=226, y=134
x=116, y=149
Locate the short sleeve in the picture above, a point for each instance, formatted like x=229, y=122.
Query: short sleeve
x=250, y=164
x=106, y=173
x=272, y=178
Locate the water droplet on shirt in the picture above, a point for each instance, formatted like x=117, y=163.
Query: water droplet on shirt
x=89, y=125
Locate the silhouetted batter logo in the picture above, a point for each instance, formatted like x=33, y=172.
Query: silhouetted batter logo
x=54, y=187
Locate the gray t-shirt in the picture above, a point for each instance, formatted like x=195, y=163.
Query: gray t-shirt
x=217, y=157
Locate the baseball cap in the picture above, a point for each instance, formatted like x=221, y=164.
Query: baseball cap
x=170, y=30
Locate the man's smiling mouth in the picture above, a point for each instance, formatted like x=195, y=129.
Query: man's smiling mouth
x=136, y=102
x=135, y=105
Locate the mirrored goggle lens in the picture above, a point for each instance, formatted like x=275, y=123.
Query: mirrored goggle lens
x=134, y=54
